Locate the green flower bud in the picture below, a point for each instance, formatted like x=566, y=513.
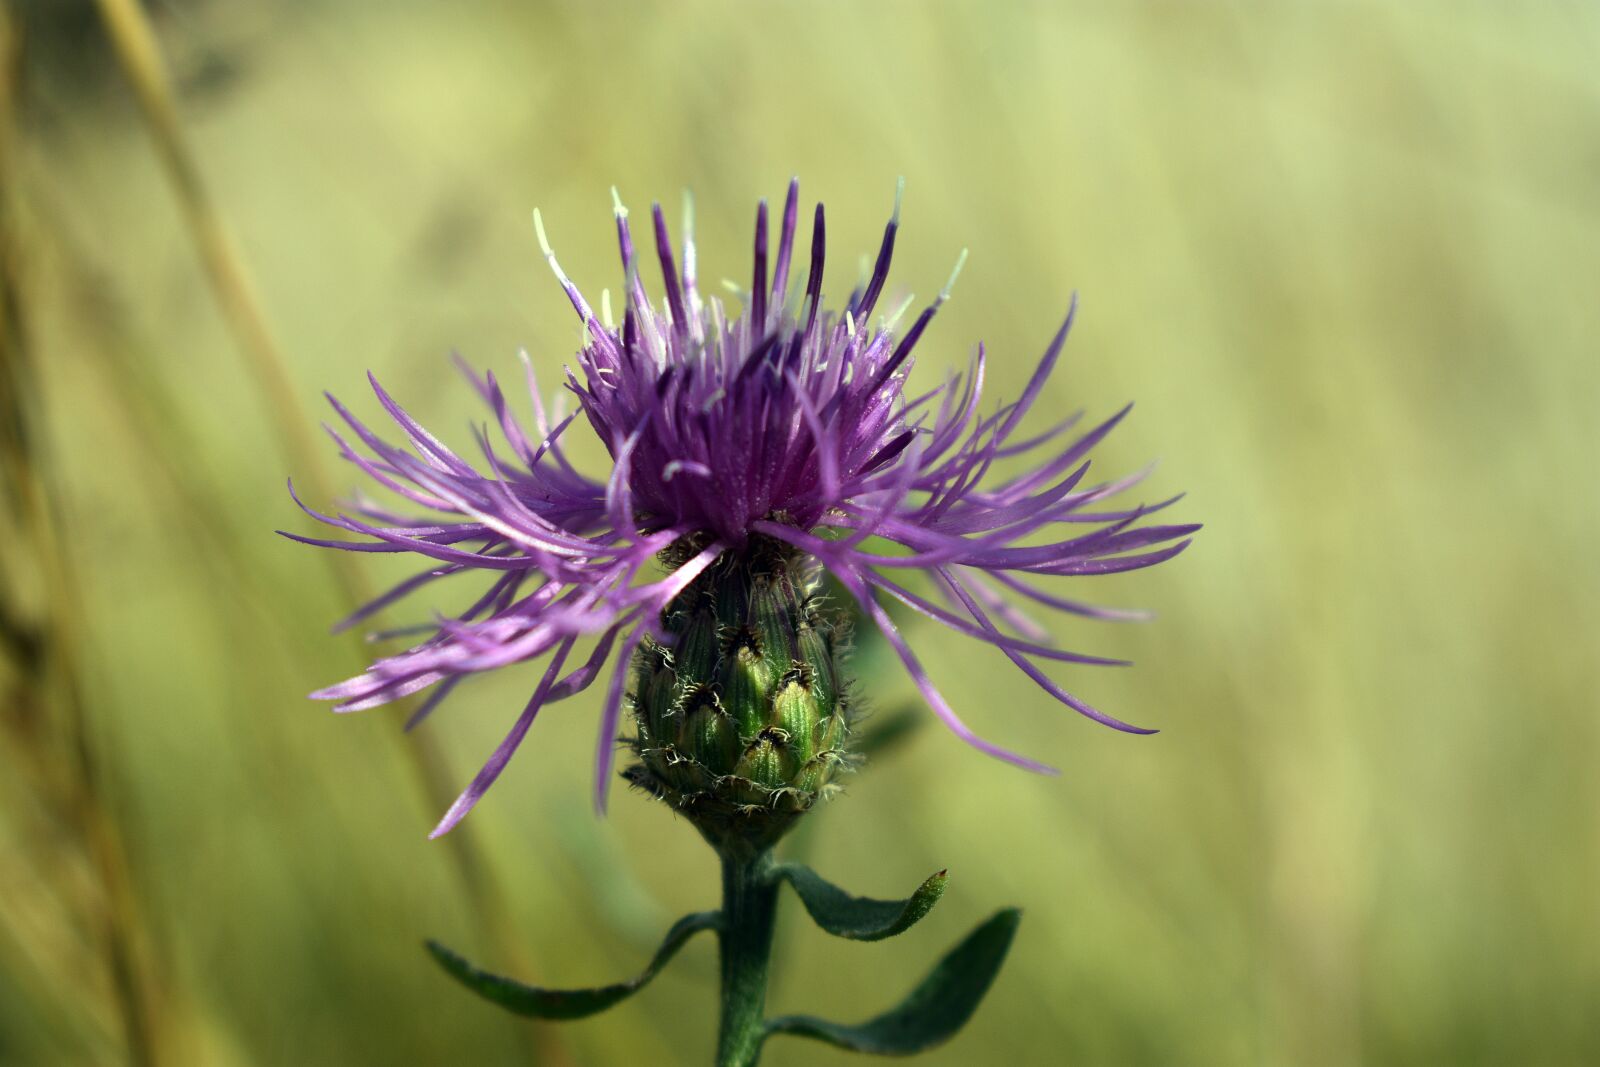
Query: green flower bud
x=709, y=731
x=771, y=621
x=816, y=658
x=767, y=762
x=799, y=717
x=815, y=774
x=730, y=597
x=661, y=699
x=745, y=681
x=742, y=712
x=696, y=651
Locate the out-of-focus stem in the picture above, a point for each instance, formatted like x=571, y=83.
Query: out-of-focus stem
x=139, y=55
x=142, y=63
x=50, y=664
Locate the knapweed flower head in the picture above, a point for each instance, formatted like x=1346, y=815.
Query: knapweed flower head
x=764, y=441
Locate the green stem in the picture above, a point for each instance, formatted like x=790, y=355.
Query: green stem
x=749, y=905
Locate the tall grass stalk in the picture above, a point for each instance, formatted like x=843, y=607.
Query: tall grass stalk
x=139, y=55
x=46, y=716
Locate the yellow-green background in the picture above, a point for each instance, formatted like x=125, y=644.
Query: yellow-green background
x=1344, y=257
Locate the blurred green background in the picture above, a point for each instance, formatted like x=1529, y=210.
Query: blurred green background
x=1343, y=256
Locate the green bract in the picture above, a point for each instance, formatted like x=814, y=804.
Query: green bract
x=743, y=714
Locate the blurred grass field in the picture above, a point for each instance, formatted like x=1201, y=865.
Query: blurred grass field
x=1343, y=256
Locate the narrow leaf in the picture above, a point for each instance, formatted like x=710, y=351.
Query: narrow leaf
x=934, y=1011
x=860, y=918
x=567, y=1003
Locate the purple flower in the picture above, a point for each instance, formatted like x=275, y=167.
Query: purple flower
x=780, y=420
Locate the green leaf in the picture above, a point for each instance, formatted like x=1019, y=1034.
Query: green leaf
x=567, y=1003
x=860, y=918
x=934, y=1011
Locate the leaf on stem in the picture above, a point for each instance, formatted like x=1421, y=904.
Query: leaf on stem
x=567, y=1003
x=934, y=1011
x=860, y=918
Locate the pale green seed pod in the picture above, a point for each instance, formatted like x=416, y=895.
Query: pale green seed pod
x=743, y=713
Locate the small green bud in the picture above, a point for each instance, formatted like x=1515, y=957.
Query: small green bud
x=746, y=681
x=815, y=774
x=773, y=628
x=743, y=718
x=767, y=762
x=731, y=598
x=798, y=716
x=710, y=733
x=662, y=700
x=831, y=735
x=818, y=660
x=696, y=653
